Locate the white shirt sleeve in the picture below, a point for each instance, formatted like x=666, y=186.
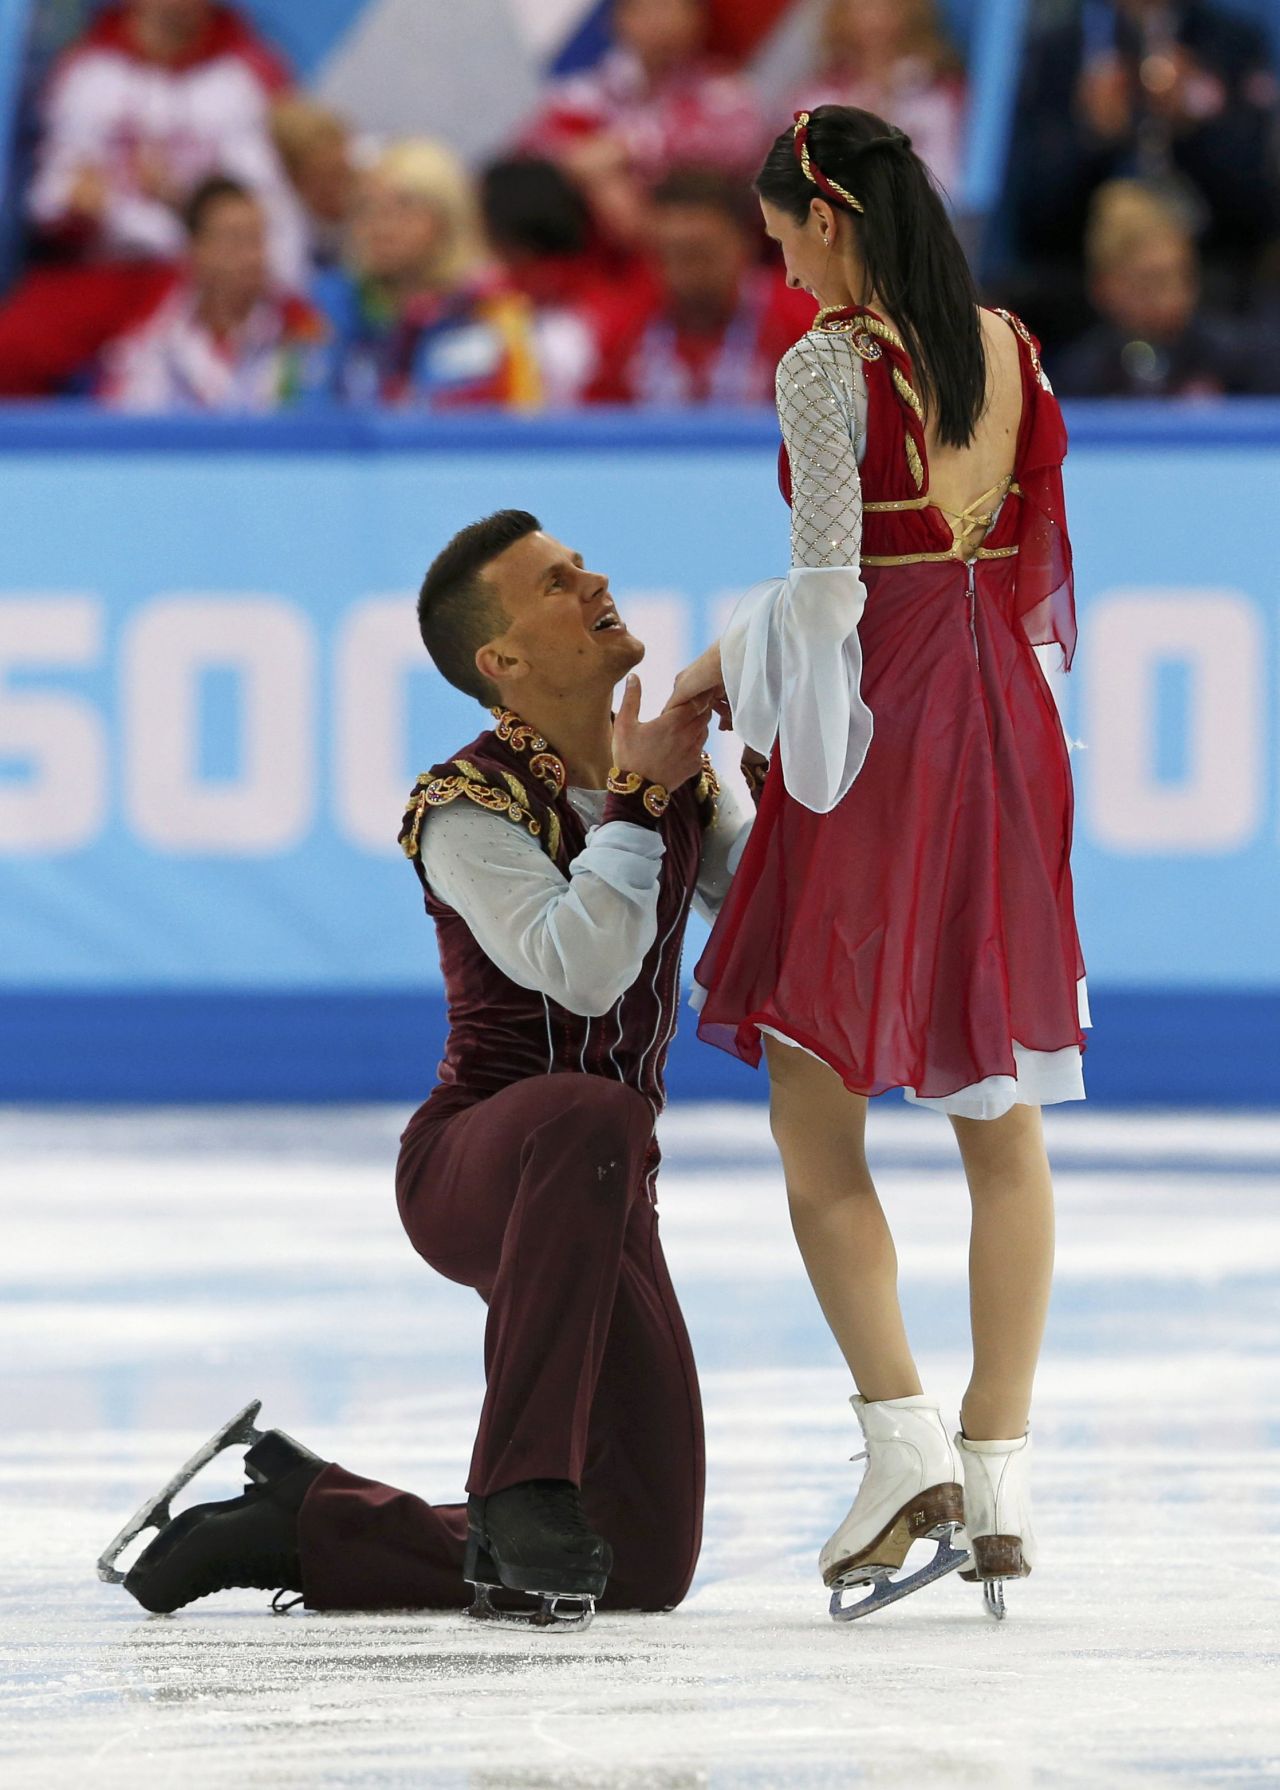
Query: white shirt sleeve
x=791, y=655
x=723, y=844
x=579, y=940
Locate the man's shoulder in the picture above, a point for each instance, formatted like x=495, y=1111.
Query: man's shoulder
x=508, y=771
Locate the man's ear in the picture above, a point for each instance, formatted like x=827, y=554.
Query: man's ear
x=498, y=666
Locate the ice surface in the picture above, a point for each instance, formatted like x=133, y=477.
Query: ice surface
x=159, y=1270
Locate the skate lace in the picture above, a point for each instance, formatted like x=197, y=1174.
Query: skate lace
x=560, y=1508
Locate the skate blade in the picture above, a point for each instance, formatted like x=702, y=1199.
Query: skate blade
x=154, y=1514
x=993, y=1598
x=552, y=1613
x=887, y=1590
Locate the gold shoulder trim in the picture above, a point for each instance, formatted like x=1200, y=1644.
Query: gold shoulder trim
x=439, y=792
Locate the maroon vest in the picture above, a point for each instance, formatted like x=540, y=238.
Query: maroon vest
x=500, y=1033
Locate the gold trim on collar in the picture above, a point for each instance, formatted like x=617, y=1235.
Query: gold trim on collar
x=546, y=765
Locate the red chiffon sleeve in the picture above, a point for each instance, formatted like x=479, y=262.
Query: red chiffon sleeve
x=1045, y=592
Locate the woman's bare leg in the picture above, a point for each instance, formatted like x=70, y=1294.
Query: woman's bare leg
x=819, y=1127
x=1010, y=1266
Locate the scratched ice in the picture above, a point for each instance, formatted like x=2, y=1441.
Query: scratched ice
x=158, y=1271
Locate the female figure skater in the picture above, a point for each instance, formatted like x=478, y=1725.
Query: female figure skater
x=903, y=914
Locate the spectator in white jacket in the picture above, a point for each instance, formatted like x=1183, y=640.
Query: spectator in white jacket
x=226, y=339
x=155, y=97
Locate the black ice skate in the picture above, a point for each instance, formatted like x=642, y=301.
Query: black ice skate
x=244, y=1543
x=533, y=1538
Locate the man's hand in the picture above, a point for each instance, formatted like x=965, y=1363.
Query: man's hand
x=666, y=751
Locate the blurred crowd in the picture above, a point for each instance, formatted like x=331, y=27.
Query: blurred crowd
x=202, y=235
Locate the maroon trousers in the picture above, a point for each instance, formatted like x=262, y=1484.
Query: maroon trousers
x=540, y=1198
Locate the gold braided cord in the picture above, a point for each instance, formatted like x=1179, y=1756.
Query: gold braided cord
x=907, y=392
x=885, y=331
x=898, y=503
x=802, y=124
x=915, y=464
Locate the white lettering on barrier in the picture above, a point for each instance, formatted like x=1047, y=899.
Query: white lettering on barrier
x=60, y=803
x=378, y=649
x=59, y=798
x=270, y=647
x=1217, y=636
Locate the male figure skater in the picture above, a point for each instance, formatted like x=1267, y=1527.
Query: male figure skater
x=559, y=853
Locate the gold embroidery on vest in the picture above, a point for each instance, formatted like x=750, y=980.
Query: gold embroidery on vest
x=546, y=765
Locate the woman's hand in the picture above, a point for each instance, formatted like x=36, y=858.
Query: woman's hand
x=704, y=679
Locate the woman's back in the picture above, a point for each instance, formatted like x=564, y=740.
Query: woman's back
x=960, y=479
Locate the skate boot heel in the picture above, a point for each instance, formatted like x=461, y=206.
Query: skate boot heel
x=478, y=1568
x=997, y=1557
x=275, y=1455
x=998, y=1532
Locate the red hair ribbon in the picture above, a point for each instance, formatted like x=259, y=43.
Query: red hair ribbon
x=812, y=172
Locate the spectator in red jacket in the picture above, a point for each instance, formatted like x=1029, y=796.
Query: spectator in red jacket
x=721, y=322
x=657, y=95
x=226, y=339
x=154, y=98
x=542, y=234
x=893, y=58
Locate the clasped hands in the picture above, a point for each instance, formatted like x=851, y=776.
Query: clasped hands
x=668, y=749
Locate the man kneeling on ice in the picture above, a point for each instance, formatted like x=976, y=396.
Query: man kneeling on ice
x=559, y=853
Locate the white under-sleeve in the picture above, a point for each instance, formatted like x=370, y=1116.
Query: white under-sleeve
x=791, y=656
x=579, y=940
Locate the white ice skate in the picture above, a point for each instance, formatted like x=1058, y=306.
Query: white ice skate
x=997, y=1511
x=910, y=1491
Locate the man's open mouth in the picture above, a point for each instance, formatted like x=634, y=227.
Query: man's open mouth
x=610, y=619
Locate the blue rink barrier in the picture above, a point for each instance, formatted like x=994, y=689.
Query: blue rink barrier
x=213, y=703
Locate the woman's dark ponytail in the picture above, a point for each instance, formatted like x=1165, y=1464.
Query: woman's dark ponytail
x=913, y=258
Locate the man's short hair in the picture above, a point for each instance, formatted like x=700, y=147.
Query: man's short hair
x=458, y=609
x=210, y=192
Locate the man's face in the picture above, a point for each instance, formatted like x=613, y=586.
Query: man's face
x=229, y=252
x=703, y=256
x=563, y=632
x=1154, y=294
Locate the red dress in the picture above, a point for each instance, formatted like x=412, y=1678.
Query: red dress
x=920, y=934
